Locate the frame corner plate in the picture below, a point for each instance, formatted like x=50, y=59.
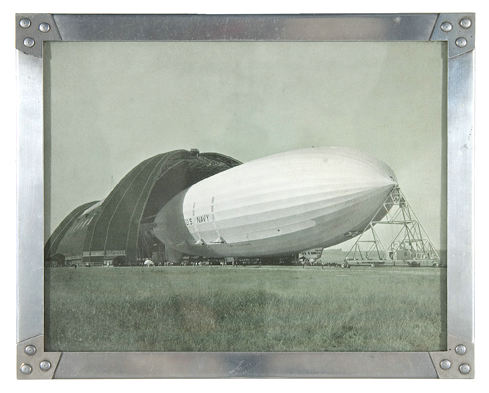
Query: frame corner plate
x=458, y=30
x=31, y=30
x=33, y=362
x=457, y=361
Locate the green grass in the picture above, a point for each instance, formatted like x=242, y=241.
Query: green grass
x=245, y=309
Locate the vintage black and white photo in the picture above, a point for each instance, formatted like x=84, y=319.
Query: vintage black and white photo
x=245, y=196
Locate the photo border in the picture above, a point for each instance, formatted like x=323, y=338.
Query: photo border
x=457, y=29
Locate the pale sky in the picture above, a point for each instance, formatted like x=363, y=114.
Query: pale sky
x=111, y=105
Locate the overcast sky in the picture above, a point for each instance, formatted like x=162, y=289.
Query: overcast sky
x=112, y=105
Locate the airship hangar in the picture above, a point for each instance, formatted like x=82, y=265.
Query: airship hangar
x=185, y=205
x=118, y=229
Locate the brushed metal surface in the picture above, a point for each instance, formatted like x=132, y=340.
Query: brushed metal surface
x=30, y=200
x=460, y=128
x=384, y=27
x=238, y=365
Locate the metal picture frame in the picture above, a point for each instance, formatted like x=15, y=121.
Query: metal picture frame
x=457, y=29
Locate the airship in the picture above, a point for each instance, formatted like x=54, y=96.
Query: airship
x=277, y=205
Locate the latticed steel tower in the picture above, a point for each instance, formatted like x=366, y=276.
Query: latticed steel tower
x=410, y=244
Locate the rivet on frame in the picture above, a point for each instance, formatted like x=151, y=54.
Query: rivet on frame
x=445, y=364
x=30, y=350
x=45, y=365
x=460, y=349
x=25, y=368
x=461, y=42
x=465, y=23
x=25, y=23
x=446, y=27
x=29, y=42
x=44, y=27
x=464, y=368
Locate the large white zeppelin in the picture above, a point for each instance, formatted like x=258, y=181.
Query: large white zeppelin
x=280, y=204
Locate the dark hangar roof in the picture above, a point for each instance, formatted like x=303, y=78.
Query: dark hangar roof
x=114, y=226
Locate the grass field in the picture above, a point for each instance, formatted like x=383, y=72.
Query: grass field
x=245, y=309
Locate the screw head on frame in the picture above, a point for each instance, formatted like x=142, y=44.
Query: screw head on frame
x=464, y=368
x=461, y=42
x=445, y=364
x=44, y=27
x=460, y=349
x=25, y=368
x=30, y=350
x=25, y=23
x=446, y=27
x=465, y=23
x=45, y=365
x=29, y=42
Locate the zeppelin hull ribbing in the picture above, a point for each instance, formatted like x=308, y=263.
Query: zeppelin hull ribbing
x=280, y=204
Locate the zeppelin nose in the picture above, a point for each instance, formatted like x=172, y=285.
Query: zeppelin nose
x=390, y=177
x=384, y=175
x=353, y=167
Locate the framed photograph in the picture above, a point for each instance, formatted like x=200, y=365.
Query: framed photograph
x=245, y=196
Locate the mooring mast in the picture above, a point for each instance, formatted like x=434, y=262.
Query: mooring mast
x=410, y=245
